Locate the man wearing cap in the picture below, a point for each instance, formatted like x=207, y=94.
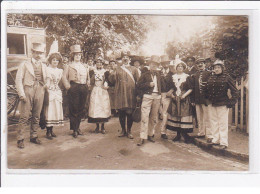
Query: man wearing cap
x=191, y=69
x=31, y=79
x=198, y=83
x=76, y=79
x=124, y=78
x=150, y=83
x=165, y=62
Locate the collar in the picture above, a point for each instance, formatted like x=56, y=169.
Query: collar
x=37, y=63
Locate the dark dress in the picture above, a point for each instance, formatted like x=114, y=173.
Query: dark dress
x=179, y=111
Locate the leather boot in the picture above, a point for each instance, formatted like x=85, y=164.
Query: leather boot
x=178, y=137
x=20, y=144
x=35, y=140
x=97, y=128
x=75, y=134
x=52, y=134
x=103, y=131
x=48, y=134
x=122, y=134
x=150, y=138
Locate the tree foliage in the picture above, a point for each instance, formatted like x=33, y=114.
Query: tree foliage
x=227, y=39
x=109, y=32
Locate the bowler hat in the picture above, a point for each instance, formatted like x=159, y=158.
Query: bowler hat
x=75, y=49
x=38, y=47
x=165, y=58
x=155, y=59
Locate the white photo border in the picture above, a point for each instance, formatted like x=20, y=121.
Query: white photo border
x=12, y=177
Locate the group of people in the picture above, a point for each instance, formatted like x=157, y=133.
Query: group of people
x=179, y=91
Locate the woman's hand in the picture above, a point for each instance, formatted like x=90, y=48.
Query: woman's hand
x=151, y=84
x=105, y=87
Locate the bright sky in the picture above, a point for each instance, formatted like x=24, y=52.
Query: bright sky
x=172, y=28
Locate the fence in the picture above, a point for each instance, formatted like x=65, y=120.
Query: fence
x=238, y=116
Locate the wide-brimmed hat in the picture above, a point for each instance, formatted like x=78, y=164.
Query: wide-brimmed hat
x=155, y=59
x=38, y=47
x=135, y=58
x=200, y=60
x=178, y=62
x=165, y=58
x=218, y=62
x=75, y=49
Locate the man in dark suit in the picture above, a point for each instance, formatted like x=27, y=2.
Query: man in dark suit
x=191, y=69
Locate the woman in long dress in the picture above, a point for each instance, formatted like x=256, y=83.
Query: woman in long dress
x=99, y=107
x=54, y=110
x=179, y=111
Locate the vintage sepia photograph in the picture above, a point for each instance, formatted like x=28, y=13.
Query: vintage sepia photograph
x=127, y=92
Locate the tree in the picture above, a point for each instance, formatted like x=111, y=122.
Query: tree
x=226, y=40
x=110, y=32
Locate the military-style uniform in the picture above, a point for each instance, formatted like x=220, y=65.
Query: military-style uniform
x=216, y=92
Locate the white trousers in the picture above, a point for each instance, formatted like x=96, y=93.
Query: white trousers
x=149, y=114
x=165, y=104
x=203, y=118
x=219, y=123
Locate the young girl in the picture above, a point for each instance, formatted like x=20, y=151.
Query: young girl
x=54, y=111
x=99, y=108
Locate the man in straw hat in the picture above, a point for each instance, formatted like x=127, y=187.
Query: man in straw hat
x=30, y=81
x=165, y=62
x=124, y=78
x=198, y=82
x=150, y=83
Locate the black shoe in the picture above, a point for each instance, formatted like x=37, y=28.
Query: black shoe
x=48, y=135
x=140, y=142
x=200, y=136
x=177, y=138
x=122, y=134
x=35, y=140
x=79, y=132
x=75, y=134
x=97, y=130
x=164, y=136
x=103, y=131
x=209, y=141
x=150, y=138
x=20, y=144
x=53, y=134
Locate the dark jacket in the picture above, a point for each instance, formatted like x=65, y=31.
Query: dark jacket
x=168, y=81
x=216, y=90
x=191, y=71
x=143, y=84
x=198, y=84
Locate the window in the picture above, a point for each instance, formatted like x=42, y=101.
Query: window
x=16, y=44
